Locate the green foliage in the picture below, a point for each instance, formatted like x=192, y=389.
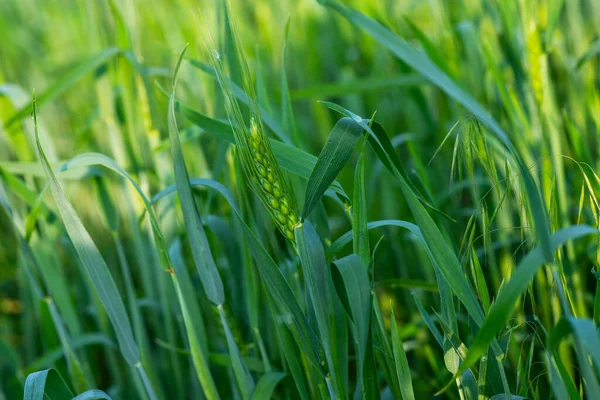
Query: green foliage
x=236, y=235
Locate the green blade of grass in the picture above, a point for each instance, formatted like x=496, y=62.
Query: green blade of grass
x=347, y=237
x=205, y=264
x=558, y=386
x=46, y=384
x=587, y=348
x=318, y=278
x=428, y=320
x=95, y=266
x=193, y=322
x=336, y=152
x=383, y=351
x=242, y=374
x=293, y=357
x=357, y=291
x=96, y=159
x=365, y=369
x=360, y=230
x=26, y=168
x=402, y=368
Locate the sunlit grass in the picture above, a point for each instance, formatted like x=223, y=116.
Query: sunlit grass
x=278, y=199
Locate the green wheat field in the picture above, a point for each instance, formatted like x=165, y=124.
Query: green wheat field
x=299, y=199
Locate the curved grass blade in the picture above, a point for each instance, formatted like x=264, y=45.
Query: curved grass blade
x=97, y=159
x=94, y=265
x=336, y=152
x=272, y=276
x=557, y=334
x=385, y=151
x=46, y=384
x=27, y=168
x=347, y=237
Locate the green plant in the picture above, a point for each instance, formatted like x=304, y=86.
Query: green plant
x=430, y=165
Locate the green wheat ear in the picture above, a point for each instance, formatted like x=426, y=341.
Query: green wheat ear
x=268, y=182
x=266, y=178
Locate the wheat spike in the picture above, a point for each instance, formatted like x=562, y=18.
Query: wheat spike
x=259, y=163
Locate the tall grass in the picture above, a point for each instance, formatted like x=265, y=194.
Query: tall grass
x=332, y=199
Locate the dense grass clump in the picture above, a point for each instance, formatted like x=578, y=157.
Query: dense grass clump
x=371, y=200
